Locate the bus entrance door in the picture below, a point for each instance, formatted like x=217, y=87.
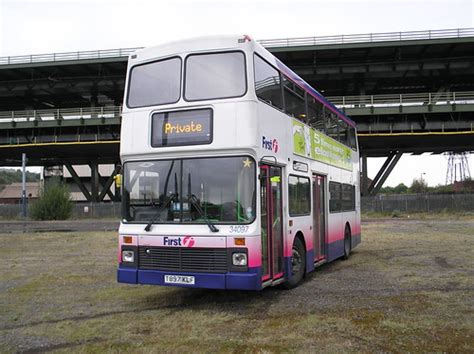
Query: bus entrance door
x=319, y=217
x=272, y=224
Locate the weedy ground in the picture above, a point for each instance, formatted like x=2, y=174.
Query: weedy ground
x=409, y=286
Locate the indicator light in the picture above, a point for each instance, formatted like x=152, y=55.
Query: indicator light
x=240, y=241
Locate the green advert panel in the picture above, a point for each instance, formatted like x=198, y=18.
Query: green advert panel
x=311, y=143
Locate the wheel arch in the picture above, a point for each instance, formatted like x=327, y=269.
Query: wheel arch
x=308, y=265
x=300, y=235
x=347, y=226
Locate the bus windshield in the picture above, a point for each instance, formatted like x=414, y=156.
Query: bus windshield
x=208, y=76
x=223, y=188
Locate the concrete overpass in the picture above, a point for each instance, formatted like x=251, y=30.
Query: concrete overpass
x=409, y=92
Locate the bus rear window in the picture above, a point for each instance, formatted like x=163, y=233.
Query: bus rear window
x=215, y=75
x=155, y=83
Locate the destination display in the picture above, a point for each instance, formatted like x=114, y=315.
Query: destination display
x=314, y=144
x=181, y=128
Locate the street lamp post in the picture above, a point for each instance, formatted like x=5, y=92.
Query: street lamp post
x=23, y=185
x=421, y=176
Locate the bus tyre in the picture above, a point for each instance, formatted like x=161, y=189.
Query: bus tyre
x=347, y=243
x=297, y=265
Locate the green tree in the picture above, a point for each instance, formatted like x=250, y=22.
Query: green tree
x=386, y=190
x=418, y=186
x=400, y=189
x=9, y=176
x=54, y=203
x=442, y=189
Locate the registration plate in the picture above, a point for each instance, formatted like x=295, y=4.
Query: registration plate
x=179, y=279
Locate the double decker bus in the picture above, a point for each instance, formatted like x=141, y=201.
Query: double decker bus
x=236, y=173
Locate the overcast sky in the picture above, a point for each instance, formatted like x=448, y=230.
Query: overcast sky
x=39, y=26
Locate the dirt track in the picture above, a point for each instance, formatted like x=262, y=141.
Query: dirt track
x=407, y=287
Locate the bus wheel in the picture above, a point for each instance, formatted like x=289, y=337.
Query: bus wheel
x=298, y=264
x=347, y=243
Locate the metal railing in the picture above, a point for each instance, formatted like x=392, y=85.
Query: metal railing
x=364, y=101
x=269, y=43
x=80, y=55
x=61, y=113
x=369, y=37
x=405, y=99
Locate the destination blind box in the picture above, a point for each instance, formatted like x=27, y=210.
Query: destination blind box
x=178, y=128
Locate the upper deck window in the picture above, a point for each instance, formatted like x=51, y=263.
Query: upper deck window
x=155, y=83
x=215, y=75
x=294, y=97
x=267, y=83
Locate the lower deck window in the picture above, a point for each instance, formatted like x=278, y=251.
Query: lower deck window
x=341, y=197
x=299, y=196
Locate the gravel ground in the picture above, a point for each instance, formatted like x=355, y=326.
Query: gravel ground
x=58, y=226
x=408, y=287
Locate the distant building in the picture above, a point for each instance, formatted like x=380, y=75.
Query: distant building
x=11, y=194
x=465, y=186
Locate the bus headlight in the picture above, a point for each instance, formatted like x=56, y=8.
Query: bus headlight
x=128, y=256
x=239, y=259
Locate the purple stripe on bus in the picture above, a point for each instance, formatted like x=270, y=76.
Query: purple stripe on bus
x=304, y=85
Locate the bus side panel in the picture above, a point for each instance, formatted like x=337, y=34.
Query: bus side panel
x=348, y=218
x=357, y=231
x=335, y=236
x=356, y=235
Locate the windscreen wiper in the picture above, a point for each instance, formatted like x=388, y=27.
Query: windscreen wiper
x=158, y=213
x=194, y=201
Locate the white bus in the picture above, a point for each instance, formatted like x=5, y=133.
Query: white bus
x=236, y=173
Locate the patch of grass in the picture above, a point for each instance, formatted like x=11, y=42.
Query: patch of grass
x=407, y=287
x=434, y=215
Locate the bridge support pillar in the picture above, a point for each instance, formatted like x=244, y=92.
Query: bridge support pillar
x=94, y=165
x=106, y=186
x=78, y=182
x=118, y=196
x=365, y=178
x=99, y=186
x=384, y=172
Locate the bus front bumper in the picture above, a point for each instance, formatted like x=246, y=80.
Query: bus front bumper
x=250, y=280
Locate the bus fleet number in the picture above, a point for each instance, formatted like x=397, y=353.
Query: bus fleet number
x=238, y=229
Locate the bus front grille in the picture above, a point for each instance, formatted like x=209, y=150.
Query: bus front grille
x=203, y=260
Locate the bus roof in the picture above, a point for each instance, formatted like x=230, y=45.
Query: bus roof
x=192, y=45
x=229, y=42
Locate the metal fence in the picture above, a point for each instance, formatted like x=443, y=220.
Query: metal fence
x=10, y=211
x=418, y=203
x=96, y=211
x=269, y=43
x=380, y=203
x=80, y=211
